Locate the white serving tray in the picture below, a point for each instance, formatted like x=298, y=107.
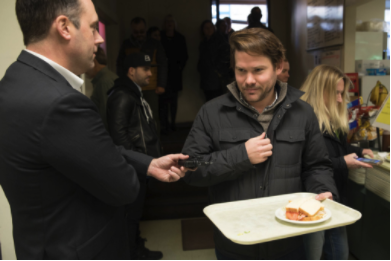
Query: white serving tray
x=253, y=221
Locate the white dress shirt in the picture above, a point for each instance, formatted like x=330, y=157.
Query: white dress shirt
x=74, y=80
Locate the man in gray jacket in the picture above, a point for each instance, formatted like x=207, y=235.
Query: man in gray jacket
x=263, y=140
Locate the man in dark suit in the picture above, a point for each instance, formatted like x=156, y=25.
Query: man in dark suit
x=65, y=180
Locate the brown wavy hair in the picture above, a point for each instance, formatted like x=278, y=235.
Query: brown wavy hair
x=257, y=41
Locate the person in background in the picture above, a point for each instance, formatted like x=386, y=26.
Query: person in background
x=229, y=26
x=132, y=126
x=254, y=19
x=221, y=27
x=263, y=140
x=213, y=63
x=154, y=33
x=326, y=90
x=139, y=42
x=102, y=80
x=284, y=75
x=66, y=181
x=174, y=44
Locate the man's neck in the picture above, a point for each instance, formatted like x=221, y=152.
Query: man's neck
x=52, y=52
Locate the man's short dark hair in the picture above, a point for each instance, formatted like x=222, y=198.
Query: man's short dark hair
x=138, y=20
x=101, y=56
x=257, y=41
x=36, y=17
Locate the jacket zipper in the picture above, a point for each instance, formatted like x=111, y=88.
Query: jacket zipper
x=142, y=132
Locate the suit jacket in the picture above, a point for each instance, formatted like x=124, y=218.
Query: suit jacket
x=63, y=176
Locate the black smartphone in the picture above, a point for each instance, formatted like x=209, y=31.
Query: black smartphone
x=370, y=161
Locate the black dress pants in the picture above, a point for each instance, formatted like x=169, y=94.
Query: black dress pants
x=134, y=212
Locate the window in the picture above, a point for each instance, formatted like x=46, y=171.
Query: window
x=238, y=14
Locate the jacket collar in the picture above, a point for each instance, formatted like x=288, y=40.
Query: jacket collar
x=292, y=96
x=42, y=66
x=129, y=85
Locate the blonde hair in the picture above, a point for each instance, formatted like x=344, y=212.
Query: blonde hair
x=322, y=82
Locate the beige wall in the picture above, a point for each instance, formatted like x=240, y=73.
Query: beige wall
x=189, y=15
x=9, y=51
x=371, y=10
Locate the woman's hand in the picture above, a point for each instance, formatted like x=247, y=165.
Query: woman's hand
x=367, y=152
x=353, y=163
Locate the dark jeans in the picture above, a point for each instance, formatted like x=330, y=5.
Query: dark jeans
x=333, y=243
x=297, y=254
x=134, y=213
x=168, y=105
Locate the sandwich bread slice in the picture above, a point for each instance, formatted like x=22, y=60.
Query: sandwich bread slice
x=311, y=210
x=292, y=209
x=304, y=209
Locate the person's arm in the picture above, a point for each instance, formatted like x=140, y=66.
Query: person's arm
x=75, y=143
x=227, y=164
x=121, y=109
x=317, y=172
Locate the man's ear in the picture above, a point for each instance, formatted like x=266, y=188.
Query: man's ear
x=279, y=67
x=131, y=71
x=63, y=27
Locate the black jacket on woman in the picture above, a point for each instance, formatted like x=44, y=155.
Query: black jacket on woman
x=337, y=149
x=213, y=64
x=176, y=52
x=127, y=122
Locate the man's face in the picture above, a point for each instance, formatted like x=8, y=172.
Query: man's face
x=222, y=27
x=284, y=75
x=156, y=35
x=208, y=29
x=85, y=39
x=169, y=24
x=255, y=76
x=142, y=75
x=138, y=31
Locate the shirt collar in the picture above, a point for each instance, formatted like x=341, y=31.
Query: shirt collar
x=74, y=80
x=267, y=107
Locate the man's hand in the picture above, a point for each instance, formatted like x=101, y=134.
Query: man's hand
x=166, y=168
x=353, y=163
x=160, y=90
x=258, y=149
x=367, y=152
x=324, y=195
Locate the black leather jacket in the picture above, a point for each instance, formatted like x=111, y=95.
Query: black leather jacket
x=127, y=122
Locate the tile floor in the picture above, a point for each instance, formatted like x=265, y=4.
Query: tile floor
x=166, y=236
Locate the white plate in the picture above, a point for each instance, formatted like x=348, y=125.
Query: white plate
x=280, y=214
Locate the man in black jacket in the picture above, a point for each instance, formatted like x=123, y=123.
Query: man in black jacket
x=139, y=42
x=131, y=125
x=263, y=140
x=64, y=178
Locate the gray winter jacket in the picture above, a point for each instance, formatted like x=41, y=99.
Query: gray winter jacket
x=300, y=161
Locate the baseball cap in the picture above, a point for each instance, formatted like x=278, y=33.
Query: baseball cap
x=137, y=60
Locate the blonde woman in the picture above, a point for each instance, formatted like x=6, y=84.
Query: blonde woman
x=326, y=90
